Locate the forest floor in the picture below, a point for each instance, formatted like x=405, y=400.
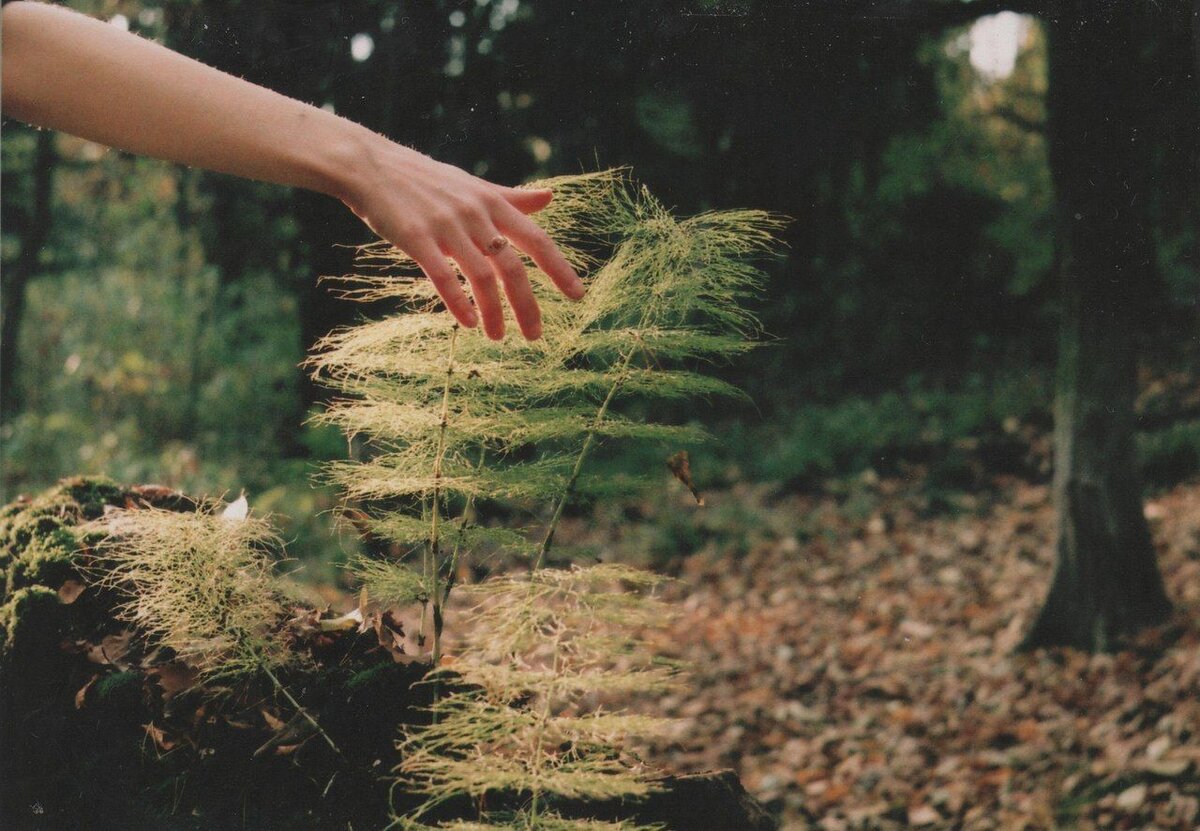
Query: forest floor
x=852, y=658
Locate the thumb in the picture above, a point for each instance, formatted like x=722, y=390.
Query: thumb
x=528, y=201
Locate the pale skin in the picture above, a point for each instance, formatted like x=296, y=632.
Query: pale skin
x=65, y=71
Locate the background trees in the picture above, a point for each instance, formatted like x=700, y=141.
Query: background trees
x=158, y=314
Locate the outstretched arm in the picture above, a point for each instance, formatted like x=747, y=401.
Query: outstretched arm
x=69, y=72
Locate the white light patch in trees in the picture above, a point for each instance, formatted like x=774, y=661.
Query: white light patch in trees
x=120, y=21
x=362, y=46
x=995, y=43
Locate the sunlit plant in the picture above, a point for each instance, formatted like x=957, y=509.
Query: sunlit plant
x=449, y=417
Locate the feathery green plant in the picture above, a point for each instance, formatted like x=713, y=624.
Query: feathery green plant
x=202, y=584
x=197, y=582
x=526, y=718
x=453, y=417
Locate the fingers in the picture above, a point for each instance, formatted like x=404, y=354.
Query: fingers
x=527, y=201
x=479, y=273
x=510, y=268
x=433, y=263
x=537, y=244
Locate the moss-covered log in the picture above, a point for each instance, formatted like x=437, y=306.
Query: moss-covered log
x=103, y=728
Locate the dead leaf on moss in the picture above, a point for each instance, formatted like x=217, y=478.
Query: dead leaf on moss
x=159, y=736
x=70, y=590
x=111, y=650
x=173, y=678
x=82, y=694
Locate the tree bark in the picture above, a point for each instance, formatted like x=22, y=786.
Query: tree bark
x=13, y=286
x=1107, y=582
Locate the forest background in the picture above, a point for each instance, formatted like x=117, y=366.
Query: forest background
x=879, y=529
x=154, y=316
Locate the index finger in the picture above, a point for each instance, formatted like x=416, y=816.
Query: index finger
x=537, y=244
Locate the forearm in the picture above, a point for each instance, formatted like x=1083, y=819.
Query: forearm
x=66, y=71
x=69, y=72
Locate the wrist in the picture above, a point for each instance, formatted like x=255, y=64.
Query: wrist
x=345, y=161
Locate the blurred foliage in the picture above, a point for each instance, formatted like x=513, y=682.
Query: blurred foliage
x=168, y=309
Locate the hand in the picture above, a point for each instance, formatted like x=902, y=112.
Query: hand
x=432, y=211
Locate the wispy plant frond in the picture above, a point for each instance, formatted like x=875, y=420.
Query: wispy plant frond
x=449, y=417
x=198, y=582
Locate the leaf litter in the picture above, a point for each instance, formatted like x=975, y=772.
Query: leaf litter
x=853, y=660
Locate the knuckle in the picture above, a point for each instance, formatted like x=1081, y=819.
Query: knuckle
x=413, y=230
x=440, y=218
x=492, y=202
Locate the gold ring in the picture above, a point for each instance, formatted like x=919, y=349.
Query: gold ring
x=497, y=245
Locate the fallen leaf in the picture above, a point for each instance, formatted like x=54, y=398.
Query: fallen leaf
x=81, y=696
x=1169, y=768
x=70, y=590
x=681, y=467
x=923, y=815
x=272, y=720
x=112, y=649
x=161, y=740
x=173, y=678
x=1133, y=797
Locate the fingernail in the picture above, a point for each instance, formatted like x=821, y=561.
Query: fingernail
x=577, y=289
x=471, y=320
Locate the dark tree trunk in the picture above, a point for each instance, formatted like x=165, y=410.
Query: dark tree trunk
x=1107, y=582
x=16, y=279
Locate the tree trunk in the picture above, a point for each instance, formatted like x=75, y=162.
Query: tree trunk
x=1107, y=582
x=35, y=232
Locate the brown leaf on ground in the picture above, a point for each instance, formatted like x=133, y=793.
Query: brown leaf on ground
x=161, y=740
x=173, y=678
x=111, y=650
x=70, y=590
x=861, y=675
x=82, y=694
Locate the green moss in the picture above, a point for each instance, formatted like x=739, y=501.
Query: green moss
x=120, y=687
x=91, y=494
x=30, y=620
x=37, y=540
x=47, y=561
x=369, y=677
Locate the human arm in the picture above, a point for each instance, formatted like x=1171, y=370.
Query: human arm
x=66, y=71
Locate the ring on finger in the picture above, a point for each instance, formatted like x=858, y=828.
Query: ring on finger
x=497, y=244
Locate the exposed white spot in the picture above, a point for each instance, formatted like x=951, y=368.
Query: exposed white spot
x=995, y=42
x=361, y=46
x=457, y=18
x=237, y=509
x=540, y=149
x=120, y=21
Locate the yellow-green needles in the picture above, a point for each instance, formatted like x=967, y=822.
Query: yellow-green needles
x=450, y=418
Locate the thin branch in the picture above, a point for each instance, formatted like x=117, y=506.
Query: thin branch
x=588, y=441
x=301, y=710
x=435, y=515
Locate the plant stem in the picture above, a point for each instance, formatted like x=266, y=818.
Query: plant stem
x=452, y=565
x=588, y=441
x=435, y=515
x=301, y=710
